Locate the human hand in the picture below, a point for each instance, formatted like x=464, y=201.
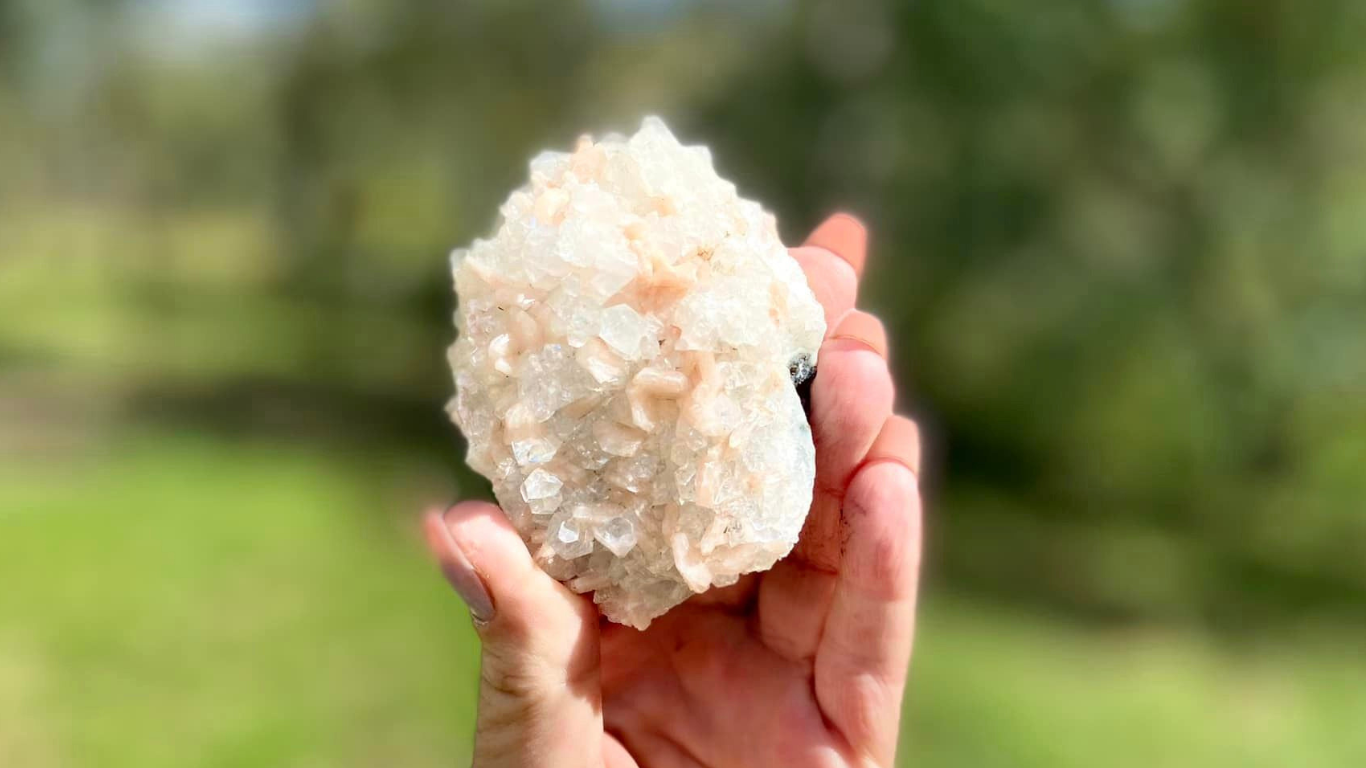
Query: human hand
x=800, y=666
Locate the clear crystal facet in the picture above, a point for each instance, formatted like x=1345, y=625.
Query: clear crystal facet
x=540, y=484
x=570, y=540
x=618, y=535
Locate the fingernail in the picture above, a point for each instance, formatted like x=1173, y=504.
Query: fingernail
x=462, y=577
x=862, y=330
x=845, y=236
x=855, y=343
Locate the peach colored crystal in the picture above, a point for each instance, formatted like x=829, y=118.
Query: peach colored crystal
x=628, y=340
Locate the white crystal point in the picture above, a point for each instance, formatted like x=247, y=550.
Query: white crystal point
x=618, y=535
x=624, y=373
x=540, y=484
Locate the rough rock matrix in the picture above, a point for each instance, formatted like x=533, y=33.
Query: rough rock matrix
x=627, y=350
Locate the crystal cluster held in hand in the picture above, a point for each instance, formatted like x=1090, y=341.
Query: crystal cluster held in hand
x=628, y=344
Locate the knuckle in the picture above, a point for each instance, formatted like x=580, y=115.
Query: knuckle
x=874, y=706
x=885, y=489
x=511, y=685
x=884, y=529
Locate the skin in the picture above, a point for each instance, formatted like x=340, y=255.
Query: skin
x=802, y=666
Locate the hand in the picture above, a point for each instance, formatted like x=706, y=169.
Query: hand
x=803, y=665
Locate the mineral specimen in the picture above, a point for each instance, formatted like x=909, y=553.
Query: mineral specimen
x=625, y=365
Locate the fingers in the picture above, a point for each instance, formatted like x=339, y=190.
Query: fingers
x=863, y=329
x=539, y=697
x=845, y=236
x=899, y=441
x=831, y=279
x=614, y=755
x=852, y=394
x=851, y=398
x=833, y=258
x=866, y=645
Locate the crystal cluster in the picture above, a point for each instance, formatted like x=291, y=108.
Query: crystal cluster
x=628, y=344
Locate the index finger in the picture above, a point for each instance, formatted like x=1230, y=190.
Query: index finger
x=832, y=259
x=845, y=236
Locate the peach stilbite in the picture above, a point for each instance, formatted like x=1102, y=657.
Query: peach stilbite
x=628, y=343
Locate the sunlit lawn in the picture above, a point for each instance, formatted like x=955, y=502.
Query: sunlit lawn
x=171, y=600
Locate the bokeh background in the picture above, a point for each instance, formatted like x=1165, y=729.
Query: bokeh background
x=1120, y=246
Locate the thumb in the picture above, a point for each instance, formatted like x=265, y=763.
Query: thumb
x=539, y=697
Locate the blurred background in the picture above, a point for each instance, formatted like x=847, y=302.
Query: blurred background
x=1120, y=245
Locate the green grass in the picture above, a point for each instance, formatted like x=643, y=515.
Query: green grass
x=180, y=602
x=174, y=600
x=995, y=689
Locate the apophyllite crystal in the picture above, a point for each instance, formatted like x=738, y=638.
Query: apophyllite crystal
x=628, y=344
